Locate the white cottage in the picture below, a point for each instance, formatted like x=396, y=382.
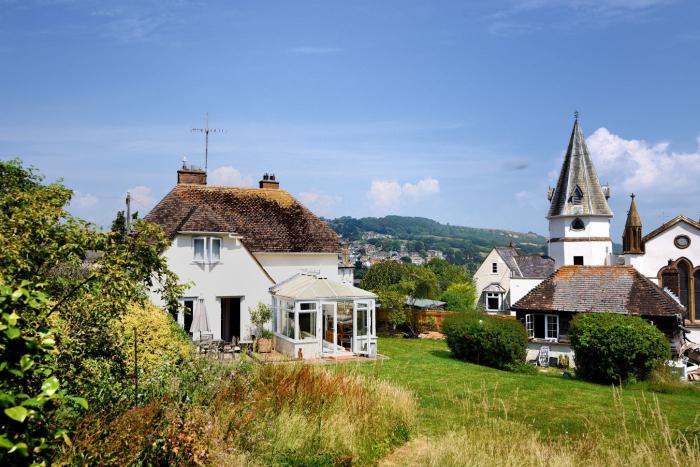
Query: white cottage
x=233, y=244
x=506, y=276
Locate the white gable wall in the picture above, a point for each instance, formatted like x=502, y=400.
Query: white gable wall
x=282, y=266
x=237, y=274
x=484, y=275
x=661, y=248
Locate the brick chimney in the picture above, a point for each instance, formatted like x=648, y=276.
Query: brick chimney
x=269, y=181
x=191, y=174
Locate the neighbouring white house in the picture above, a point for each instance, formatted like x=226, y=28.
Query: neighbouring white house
x=506, y=276
x=235, y=245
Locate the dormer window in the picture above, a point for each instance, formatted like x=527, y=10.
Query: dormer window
x=577, y=195
x=578, y=224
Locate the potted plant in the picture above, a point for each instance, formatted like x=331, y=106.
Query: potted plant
x=260, y=315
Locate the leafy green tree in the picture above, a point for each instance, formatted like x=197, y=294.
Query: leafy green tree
x=85, y=294
x=394, y=302
x=383, y=275
x=459, y=296
x=260, y=315
x=447, y=273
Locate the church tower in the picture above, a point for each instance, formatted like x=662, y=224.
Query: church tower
x=632, y=237
x=579, y=215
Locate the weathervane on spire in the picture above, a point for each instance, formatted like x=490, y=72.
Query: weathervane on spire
x=206, y=130
x=576, y=114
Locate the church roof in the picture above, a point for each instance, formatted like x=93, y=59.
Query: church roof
x=268, y=220
x=599, y=289
x=578, y=191
x=669, y=224
x=633, y=219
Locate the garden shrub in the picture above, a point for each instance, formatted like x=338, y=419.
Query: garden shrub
x=486, y=340
x=613, y=348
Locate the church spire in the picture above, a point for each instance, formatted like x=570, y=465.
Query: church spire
x=578, y=191
x=632, y=237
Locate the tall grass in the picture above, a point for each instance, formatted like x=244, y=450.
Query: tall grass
x=254, y=414
x=491, y=438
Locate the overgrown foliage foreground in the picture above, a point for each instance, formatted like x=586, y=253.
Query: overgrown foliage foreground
x=247, y=413
x=63, y=286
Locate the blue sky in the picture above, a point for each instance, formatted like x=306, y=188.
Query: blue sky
x=458, y=111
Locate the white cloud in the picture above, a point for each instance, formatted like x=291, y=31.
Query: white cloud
x=320, y=203
x=227, y=175
x=388, y=194
x=141, y=197
x=84, y=200
x=639, y=166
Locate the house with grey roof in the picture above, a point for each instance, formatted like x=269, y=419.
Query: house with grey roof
x=506, y=275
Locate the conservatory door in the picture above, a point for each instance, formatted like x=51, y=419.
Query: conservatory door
x=363, y=327
x=329, y=332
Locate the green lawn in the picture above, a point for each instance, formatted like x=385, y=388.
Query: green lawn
x=449, y=391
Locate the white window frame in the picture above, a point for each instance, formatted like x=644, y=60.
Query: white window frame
x=530, y=326
x=494, y=267
x=546, y=328
x=491, y=295
x=309, y=312
x=213, y=260
x=203, y=259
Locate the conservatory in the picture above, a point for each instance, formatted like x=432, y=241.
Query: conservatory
x=314, y=317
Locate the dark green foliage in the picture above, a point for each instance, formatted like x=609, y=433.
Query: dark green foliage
x=486, y=340
x=613, y=348
x=447, y=273
x=30, y=391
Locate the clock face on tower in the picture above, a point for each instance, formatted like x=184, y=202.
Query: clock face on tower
x=681, y=241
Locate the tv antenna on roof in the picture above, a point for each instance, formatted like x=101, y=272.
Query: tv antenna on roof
x=206, y=130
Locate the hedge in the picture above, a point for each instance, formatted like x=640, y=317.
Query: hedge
x=486, y=340
x=613, y=348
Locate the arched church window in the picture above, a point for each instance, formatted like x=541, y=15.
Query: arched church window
x=577, y=195
x=578, y=224
x=682, y=241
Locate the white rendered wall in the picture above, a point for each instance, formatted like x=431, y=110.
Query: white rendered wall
x=483, y=276
x=236, y=275
x=661, y=248
x=520, y=287
x=282, y=266
x=595, y=253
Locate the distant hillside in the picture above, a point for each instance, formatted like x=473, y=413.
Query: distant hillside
x=462, y=245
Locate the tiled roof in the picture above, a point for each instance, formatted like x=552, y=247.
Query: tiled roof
x=615, y=289
x=670, y=224
x=578, y=171
x=269, y=220
x=535, y=266
x=529, y=266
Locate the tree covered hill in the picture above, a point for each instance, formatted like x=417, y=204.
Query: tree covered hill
x=461, y=245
